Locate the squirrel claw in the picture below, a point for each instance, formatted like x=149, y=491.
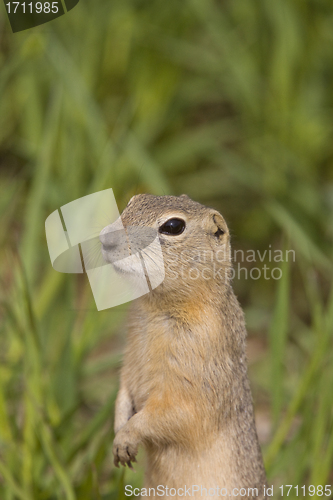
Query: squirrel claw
x=130, y=466
x=116, y=461
x=124, y=450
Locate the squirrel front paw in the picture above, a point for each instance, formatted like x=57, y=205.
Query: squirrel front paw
x=125, y=448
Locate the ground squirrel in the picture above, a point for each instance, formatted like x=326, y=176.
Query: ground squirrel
x=184, y=392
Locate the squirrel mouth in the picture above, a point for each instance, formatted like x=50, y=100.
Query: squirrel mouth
x=112, y=254
x=135, y=253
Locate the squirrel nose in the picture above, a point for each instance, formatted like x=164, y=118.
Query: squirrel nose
x=109, y=236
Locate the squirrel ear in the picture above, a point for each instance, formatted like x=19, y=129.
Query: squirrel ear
x=219, y=225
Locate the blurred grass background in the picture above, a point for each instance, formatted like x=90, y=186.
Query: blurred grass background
x=228, y=101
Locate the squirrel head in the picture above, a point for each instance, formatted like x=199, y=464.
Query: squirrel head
x=194, y=242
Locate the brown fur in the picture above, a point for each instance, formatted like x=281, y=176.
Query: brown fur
x=184, y=392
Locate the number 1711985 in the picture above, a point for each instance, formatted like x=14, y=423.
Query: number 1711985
x=38, y=7
x=310, y=490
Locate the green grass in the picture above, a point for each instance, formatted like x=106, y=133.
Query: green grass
x=230, y=102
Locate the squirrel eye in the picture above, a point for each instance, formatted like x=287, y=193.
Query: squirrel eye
x=173, y=226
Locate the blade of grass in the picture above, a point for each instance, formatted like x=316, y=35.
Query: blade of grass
x=12, y=484
x=53, y=455
x=309, y=373
x=278, y=339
